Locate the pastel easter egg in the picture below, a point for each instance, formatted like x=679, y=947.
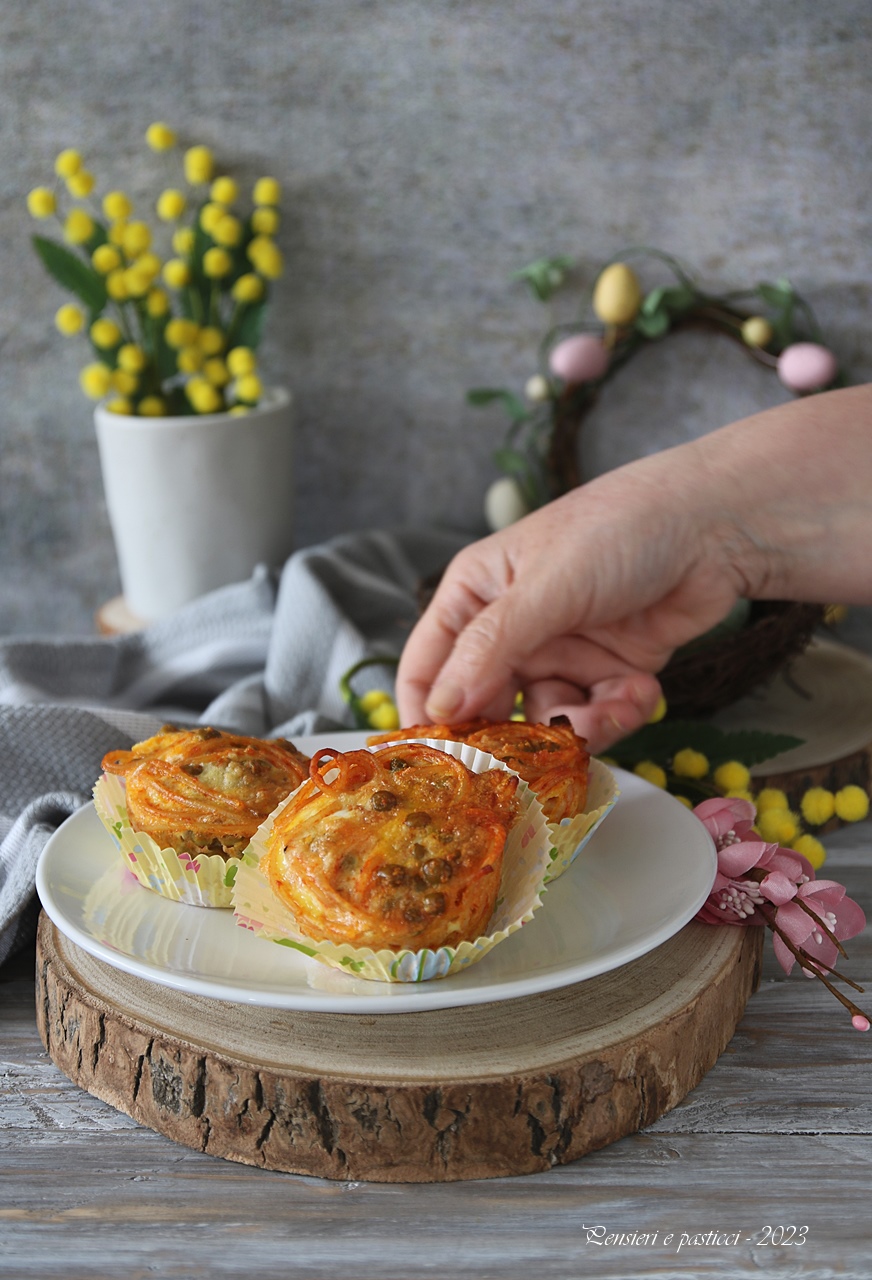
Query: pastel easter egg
x=757, y=331
x=807, y=366
x=617, y=294
x=504, y=504
x=581, y=358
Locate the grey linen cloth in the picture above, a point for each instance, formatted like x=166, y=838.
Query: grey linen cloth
x=262, y=657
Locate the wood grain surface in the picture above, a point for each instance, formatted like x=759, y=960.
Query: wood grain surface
x=779, y=1131
x=485, y=1091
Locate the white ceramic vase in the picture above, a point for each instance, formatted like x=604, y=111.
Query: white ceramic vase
x=196, y=502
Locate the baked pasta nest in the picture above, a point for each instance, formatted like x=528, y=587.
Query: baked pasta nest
x=551, y=758
x=392, y=848
x=204, y=791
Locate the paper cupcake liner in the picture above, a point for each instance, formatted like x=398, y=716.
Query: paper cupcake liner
x=526, y=860
x=571, y=835
x=202, y=881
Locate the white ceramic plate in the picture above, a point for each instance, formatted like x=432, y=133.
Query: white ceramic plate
x=644, y=874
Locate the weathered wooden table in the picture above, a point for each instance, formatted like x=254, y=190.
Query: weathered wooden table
x=764, y=1169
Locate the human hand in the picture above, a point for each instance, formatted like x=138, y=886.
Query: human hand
x=576, y=606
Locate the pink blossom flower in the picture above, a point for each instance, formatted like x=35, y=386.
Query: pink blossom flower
x=830, y=904
x=737, y=897
x=757, y=883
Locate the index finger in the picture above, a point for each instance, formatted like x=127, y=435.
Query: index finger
x=430, y=644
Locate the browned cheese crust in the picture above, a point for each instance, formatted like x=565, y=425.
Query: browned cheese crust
x=396, y=848
x=203, y=790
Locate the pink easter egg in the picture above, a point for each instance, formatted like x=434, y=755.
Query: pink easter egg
x=581, y=358
x=806, y=366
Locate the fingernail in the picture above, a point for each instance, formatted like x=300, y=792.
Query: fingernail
x=444, y=700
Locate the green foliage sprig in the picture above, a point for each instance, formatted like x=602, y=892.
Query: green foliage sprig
x=170, y=334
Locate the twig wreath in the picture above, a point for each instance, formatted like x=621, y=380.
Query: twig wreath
x=617, y=319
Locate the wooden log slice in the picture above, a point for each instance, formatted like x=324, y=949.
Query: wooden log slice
x=486, y=1091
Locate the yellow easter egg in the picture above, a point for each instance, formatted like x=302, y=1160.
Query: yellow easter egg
x=617, y=295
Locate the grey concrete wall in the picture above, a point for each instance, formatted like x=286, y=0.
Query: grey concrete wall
x=427, y=150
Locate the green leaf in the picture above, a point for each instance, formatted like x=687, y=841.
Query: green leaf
x=651, y=303
x=249, y=331
x=660, y=742
x=652, y=326
x=510, y=461
x=514, y=405
x=776, y=295
x=545, y=276
x=72, y=273
x=678, y=298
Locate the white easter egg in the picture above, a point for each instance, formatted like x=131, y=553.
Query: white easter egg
x=807, y=366
x=504, y=503
x=581, y=358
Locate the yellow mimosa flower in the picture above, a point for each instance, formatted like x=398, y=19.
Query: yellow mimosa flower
x=248, y=288
x=132, y=358
x=267, y=191
x=79, y=227
x=189, y=359
x=227, y=231
x=240, y=361
x=216, y=371
x=117, y=205
x=248, y=388
x=105, y=258
x=817, y=806
x=384, y=717
x=119, y=404
x=69, y=319
x=732, y=776
x=199, y=164
x=651, y=772
x=136, y=238
x=116, y=285
x=123, y=382
x=157, y=303
x=68, y=162
x=852, y=804
x=810, y=847
x=152, y=407
x=170, y=205
x=183, y=241
x=210, y=340
x=210, y=215
x=690, y=764
x=176, y=273
x=160, y=137
x=181, y=332
x=203, y=396
x=80, y=184
x=105, y=333
x=223, y=191
x=148, y=263
x=217, y=263
x=41, y=202
x=265, y=221
x=270, y=262
x=95, y=380
x=137, y=282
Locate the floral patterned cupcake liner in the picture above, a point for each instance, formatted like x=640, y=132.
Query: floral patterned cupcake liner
x=526, y=860
x=202, y=881
x=571, y=835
